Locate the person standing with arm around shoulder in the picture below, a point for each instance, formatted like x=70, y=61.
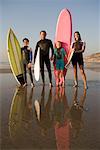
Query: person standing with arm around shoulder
x=27, y=61
x=79, y=47
x=44, y=45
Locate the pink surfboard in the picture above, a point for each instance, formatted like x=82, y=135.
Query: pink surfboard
x=62, y=134
x=64, y=35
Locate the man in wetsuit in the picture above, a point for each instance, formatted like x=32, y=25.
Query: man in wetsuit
x=27, y=60
x=44, y=45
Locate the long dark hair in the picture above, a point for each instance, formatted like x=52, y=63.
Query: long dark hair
x=79, y=39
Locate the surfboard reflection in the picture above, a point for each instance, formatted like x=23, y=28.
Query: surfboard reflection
x=21, y=115
x=67, y=119
x=52, y=117
x=61, y=121
x=47, y=122
x=43, y=112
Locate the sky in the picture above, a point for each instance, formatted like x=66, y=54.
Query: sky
x=28, y=17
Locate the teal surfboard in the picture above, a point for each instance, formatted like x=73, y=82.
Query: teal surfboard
x=15, y=57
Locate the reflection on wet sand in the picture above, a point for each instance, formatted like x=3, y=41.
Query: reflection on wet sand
x=61, y=121
x=21, y=115
x=75, y=113
x=48, y=122
x=44, y=119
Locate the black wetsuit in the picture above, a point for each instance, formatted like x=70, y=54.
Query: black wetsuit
x=27, y=58
x=44, y=46
x=77, y=56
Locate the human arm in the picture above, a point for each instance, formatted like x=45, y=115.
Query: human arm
x=83, y=46
x=72, y=46
x=54, y=56
x=31, y=56
x=30, y=60
x=64, y=53
x=52, y=50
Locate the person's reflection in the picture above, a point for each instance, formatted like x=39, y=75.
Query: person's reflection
x=28, y=109
x=76, y=111
x=21, y=115
x=61, y=122
x=43, y=112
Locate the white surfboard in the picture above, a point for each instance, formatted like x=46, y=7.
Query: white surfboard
x=50, y=53
x=37, y=66
x=69, y=58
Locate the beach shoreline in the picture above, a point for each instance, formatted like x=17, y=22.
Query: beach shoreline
x=88, y=65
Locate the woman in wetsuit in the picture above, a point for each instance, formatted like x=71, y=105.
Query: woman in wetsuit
x=79, y=47
x=44, y=45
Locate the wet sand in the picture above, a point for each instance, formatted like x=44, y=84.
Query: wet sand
x=50, y=119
